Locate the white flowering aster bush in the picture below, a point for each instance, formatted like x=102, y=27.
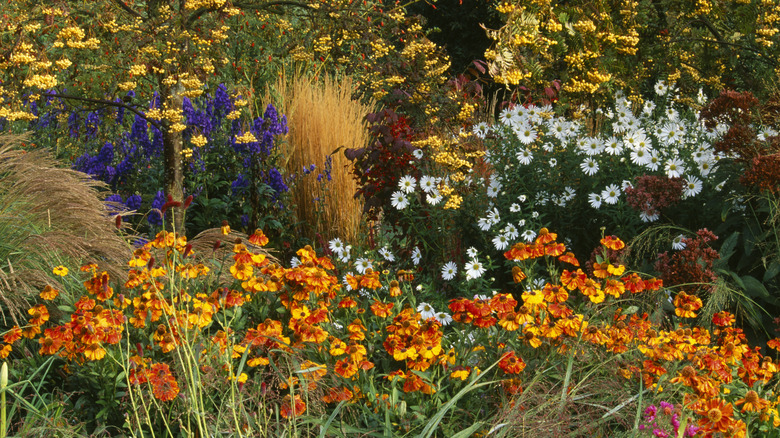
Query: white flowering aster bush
x=579, y=175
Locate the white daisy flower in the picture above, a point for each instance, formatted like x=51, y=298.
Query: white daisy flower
x=471, y=252
x=522, y=198
x=661, y=88
x=433, y=197
x=511, y=233
x=474, y=269
x=525, y=156
x=654, y=161
x=521, y=223
x=674, y=168
x=526, y=134
x=427, y=183
x=361, y=264
x=344, y=257
x=535, y=214
x=484, y=223
x=493, y=216
x=426, y=311
x=295, y=262
x=386, y=254
x=593, y=146
x=501, y=242
x=416, y=256
x=449, y=270
x=692, y=186
x=418, y=153
x=589, y=166
x=613, y=146
x=528, y=235
x=640, y=157
x=553, y=162
x=443, y=318
x=337, y=246
x=611, y=194
x=705, y=167
x=594, y=199
x=720, y=186
x=481, y=129
x=514, y=208
x=648, y=217
x=492, y=191
x=677, y=242
x=407, y=184
x=399, y=200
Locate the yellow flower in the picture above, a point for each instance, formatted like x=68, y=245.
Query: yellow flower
x=61, y=271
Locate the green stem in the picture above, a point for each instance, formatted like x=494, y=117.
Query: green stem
x=3, y=384
x=566, y=380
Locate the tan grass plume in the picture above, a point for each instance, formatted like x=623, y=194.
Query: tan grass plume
x=49, y=215
x=323, y=120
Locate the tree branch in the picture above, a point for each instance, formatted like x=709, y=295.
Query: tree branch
x=726, y=43
x=128, y=9
x=105, y=103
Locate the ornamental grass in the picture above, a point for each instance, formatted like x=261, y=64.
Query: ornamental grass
x=49, y=215
x=324, y=120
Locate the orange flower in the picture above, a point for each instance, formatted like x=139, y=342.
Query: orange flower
x=510, y=321
x=49, y=293
x=613, y=243
x=752, y=402
x=382, y=310
x=554, y=249
x=545, y=237
x=614, y=288
x=723, y=319
x=94, y=351
x=633, y=283
x=460, y=372
x=600, y=270
x=593, y=291
x=569, y=258
x=356, y=352
x=511, y=364
x=225, y=229
x=686, y=305
x=517, y=274
x=61, y=271
x=554, y=293
x=337, y=395
x=573, y=280
x=347, y=303
x=716, y=413
x=164, y=386
x=258, y=238
x=345, y=368
x=13, y=335
x=502, y=303
x=5, y=351
x=39, y=314
x=395, y=289
x=241, y=271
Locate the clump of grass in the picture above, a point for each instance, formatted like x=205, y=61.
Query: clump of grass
x=324, y=120
x=49, y=216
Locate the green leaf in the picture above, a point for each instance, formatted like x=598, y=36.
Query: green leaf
x=772, y=271
x=468, y=432
x=729, y=246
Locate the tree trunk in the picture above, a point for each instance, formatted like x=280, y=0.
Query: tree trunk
x=174, y=170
